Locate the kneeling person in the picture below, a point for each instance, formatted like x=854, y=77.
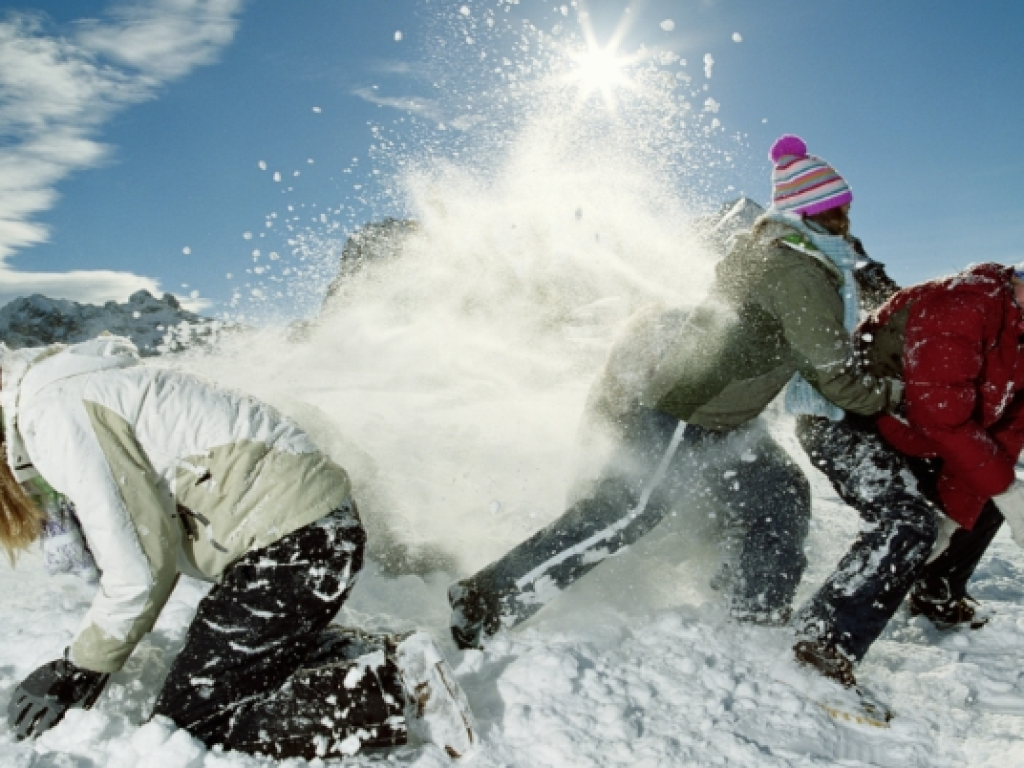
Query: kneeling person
x=170, y=474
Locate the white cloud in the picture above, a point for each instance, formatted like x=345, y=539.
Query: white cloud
x=56, y=93
x=428, y=108
x=163, y=38
x=94, y=286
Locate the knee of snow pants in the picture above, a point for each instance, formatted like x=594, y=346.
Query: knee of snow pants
x=259, y=625
x=327, y=709
x=872, y=579
x=768, y=509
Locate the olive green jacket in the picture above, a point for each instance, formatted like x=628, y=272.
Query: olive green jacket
x=774, y=310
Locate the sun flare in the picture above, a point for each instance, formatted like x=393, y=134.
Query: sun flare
x=599, y=71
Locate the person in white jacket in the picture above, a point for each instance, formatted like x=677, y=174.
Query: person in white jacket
x=170, y=474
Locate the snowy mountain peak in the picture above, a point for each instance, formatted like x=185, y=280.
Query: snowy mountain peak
x=154, y=325
x=733, y=217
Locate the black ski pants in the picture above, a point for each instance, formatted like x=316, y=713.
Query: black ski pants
x=261, y=672
x=945, y=578
x=657, y=461
x=855, y=603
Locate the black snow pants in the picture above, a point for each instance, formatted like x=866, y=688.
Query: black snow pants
x=855, y=603
x=657, y=462
x=945, y=578
x=261, y=671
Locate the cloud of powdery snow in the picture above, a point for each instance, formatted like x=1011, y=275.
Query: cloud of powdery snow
x=451, y=379
x=57, y=91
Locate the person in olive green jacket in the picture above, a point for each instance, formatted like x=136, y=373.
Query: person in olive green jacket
x=681, y=395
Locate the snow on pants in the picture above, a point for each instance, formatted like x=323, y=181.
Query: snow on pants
x=262, y=673
x=657, y=462
x=855, y=603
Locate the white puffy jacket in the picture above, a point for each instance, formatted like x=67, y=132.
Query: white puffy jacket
x=168, y=474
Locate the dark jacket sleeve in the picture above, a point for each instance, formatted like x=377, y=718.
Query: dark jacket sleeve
x=943, y=362
x=810, y=310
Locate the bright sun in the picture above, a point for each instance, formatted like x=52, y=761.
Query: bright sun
x=599, y=70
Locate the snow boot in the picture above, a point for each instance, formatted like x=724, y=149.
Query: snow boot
x=439, y=706
x=826, y=659
x=475, y=614
x=947, y=612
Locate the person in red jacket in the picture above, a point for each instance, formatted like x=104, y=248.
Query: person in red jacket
x=956, y=343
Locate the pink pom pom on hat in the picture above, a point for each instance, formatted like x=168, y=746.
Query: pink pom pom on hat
x=803, y=183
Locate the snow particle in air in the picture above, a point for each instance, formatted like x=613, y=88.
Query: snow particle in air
x=194, y=294
x=464, y=10
x=317, y=110
x=277, y=174
x=186, y=250
x=737, y=37
x=247, y=235
x=668, y=25
x=709, y=63
x=398, y=36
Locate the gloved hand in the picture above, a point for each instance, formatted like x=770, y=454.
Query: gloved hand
x=43, y=697
x=1011, y=503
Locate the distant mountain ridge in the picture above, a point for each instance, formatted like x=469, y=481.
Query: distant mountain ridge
x=155, y=325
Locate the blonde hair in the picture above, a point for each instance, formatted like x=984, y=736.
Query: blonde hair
x=21, y=521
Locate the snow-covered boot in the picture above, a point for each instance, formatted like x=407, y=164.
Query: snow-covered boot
x=827, y=659
x=439, y=706
x=475, y=614
x=947, y=612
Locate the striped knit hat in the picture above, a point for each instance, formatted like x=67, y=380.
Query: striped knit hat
x=803, y=183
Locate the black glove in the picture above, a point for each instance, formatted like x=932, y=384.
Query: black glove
x=43, y=697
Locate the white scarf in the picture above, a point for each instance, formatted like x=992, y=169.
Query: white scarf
x=801, y=397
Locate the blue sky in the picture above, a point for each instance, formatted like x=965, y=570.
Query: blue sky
x=132, y=131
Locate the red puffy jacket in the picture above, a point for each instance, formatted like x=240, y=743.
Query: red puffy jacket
x=963, y=367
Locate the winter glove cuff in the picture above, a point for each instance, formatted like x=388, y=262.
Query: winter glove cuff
x=1011, y=504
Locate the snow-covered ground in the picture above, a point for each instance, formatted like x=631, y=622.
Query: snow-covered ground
x=636, y=665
